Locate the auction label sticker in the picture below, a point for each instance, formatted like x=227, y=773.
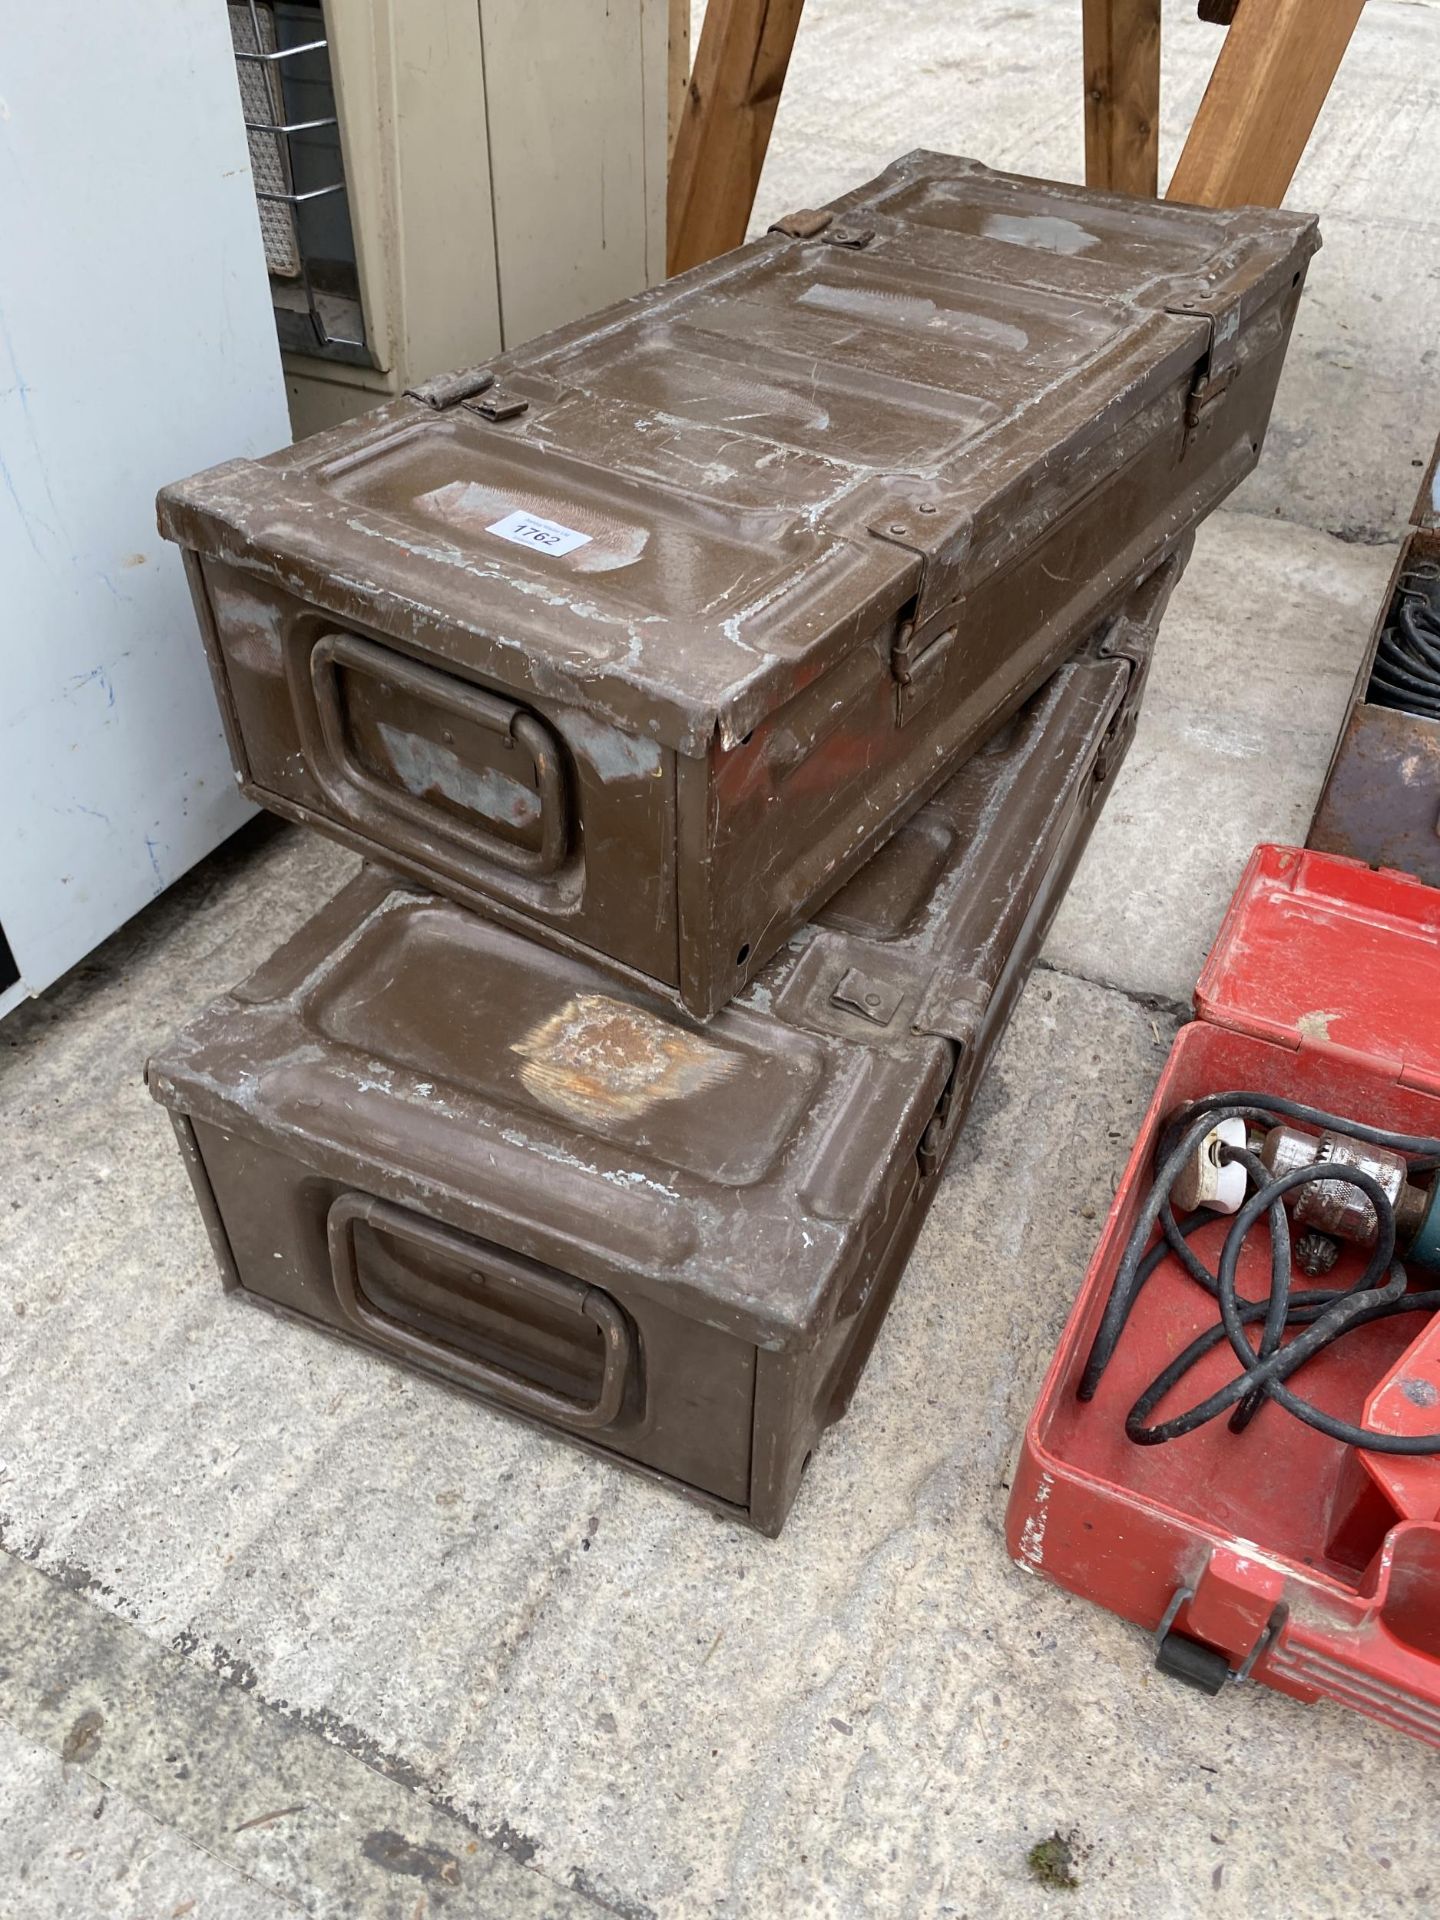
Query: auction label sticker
x=534, y=530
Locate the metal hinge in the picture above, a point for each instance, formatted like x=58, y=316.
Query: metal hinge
x=449, y=389
x=472, y=387
x=804, y=223
x=818, y=223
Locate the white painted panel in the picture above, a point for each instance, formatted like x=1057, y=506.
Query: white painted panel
x=575, y=96
x=137, y=344
x=443, y=234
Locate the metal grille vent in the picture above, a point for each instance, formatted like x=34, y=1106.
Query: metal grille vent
x=252, y=31
x=288, y=96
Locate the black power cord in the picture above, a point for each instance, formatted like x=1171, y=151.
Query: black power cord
x=1406, y=673
x=1322, y=1316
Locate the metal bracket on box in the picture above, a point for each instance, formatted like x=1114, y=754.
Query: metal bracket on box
x=916, y=666
x=872, y=999
x=1218, y=366
x=818, y=223
x=449, y=389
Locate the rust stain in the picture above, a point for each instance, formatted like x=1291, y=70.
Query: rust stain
x=602, y=1059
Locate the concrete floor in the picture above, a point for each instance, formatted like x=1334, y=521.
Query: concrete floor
x=282, y=1629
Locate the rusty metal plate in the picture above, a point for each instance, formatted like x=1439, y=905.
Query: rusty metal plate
x=1381, y=802
x=1381, y=799
x=766, y=553
x=672, y=1243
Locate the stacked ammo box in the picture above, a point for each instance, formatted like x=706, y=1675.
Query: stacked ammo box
x=721, y=691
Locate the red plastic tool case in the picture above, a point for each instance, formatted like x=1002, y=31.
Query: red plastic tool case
x=1323, y=986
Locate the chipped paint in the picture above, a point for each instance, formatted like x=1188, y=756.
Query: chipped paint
x=915, y=310
x=487, y=571
x=1047, y=231
x=425, y=768
x=558, y=1156
x=614, y=755
x=251, y=625
x=1032, y=1534
x=599, y=1059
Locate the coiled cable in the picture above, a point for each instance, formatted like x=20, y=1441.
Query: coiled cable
x=1321, y=1317
x=1406, y=673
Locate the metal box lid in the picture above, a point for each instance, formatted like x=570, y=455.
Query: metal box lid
x=1322, y=952
x=681, y=511
x=436, y=1059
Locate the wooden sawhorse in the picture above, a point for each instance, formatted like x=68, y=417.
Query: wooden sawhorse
x=1264, y=96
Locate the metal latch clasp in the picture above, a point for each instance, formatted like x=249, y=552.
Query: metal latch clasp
x=1207, y=389
x=935, y=1140
x=917, y=669
x=1115, y=743
x=931, y=1148
x=1217, y=367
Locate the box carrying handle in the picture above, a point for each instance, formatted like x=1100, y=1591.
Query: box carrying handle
x=344, y=777
x=1200, y=1665
x=569, y=1296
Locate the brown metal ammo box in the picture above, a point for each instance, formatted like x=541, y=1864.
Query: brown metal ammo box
x=645, y=639
x=1381, y=798
x=674, y=1244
